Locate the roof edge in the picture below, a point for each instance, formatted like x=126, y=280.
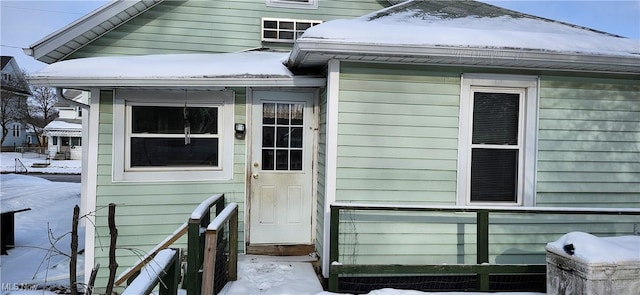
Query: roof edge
x=41, y=48
x=464, y=56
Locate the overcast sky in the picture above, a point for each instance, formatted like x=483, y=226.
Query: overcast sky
x=25, y=22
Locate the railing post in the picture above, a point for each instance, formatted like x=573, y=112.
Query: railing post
x=194, y=252
x=482, y=240
x=169, y=281
x=233, y=246
x=334, y=233
x=209, y=264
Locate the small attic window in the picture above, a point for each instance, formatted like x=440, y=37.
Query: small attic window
x=285, y=30
x=305, y=4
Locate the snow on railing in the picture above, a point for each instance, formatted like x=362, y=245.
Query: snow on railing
x=163, y=269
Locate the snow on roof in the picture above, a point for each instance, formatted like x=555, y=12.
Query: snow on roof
x=220, y=65
x=61, y=125
x=598, y=250
x=418, y=23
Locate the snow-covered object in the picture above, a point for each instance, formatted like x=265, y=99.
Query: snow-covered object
x=149, y=275
x=419, y=28
x=221, y=65
x=580, y=263
x=590, y=249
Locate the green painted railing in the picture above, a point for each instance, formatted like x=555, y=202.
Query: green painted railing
x=197, y=225
x=482, y=269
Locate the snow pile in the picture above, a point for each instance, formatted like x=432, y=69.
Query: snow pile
x=220, y=65
x=415, y=28
x=598, y=250
x=34, y=260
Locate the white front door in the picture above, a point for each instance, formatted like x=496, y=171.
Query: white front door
x=281, y=197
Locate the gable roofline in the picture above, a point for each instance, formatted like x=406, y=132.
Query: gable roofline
x=60, y=44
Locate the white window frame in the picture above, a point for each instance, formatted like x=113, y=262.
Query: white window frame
x=295, y=31
x=125, y=98
x=311, y=4
x=527, y=86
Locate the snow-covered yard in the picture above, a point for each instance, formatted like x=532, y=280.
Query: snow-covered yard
x=34, y=261
x=8, y=164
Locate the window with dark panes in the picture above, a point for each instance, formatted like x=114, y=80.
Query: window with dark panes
x=174, y=136
x=495, y=147
x=284, y=30
x=282, y=136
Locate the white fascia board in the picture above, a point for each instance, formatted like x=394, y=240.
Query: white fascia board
x=61, y=37
x=462, y=56
x=85, y=83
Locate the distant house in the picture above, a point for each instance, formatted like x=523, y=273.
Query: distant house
x=64, y=134
x=287, y=111
x=14, y=96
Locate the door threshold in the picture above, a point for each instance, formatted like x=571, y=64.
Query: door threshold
x=280, y=250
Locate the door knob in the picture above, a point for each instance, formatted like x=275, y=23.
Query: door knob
x=255, y=175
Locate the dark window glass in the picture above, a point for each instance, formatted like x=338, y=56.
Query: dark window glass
x=286, y=25
x=267, y=136
x=296, y=160
x=172, y=120
x=495, y=118
x=173, y=152
x=270, y=34
x=287, y=35
x=494, y=175
x=282, y=139
x=282, y=160
x=296, y=137
x=267, y=160
x=270, y=24
x=302, y=26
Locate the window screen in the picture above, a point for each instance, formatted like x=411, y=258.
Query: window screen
x=495, y=147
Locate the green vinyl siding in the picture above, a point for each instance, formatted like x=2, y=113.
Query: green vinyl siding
x=397, y=144
x=146, y=213
x=589, y=143
x=397, y=134
x=198, y=26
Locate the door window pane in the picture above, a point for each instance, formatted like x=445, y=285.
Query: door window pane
x=282, y=160
x=495, y=118
x=282, y=136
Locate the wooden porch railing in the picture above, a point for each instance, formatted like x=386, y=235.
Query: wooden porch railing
x=482, y=269
x=195, y=228
x=198, y=222
x=230, y=215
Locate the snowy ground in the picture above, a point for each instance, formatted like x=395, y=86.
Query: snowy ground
x=39, y=231
x=8, y=164
x=51, y=203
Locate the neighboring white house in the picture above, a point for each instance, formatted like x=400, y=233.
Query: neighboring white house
x=64, y=134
